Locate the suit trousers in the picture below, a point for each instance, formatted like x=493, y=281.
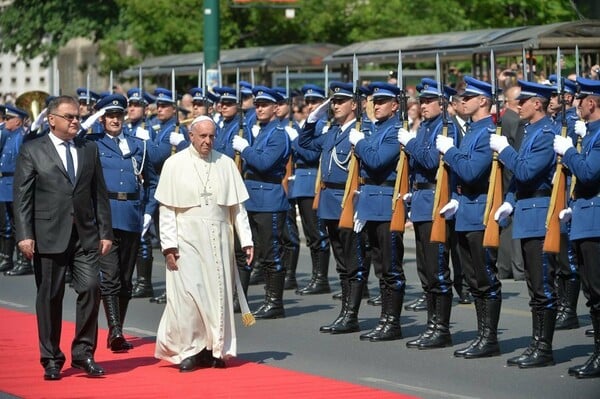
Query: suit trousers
x=116, y=267
x=50, y=281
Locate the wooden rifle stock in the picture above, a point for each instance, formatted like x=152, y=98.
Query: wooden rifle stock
x=400, y=188
x=347, y=216
x=237, y=158
x=491, y=234
x=315, y=203
x=558, y=202
x=442, y=195
x=289, y=166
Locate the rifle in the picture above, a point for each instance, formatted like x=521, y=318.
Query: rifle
x=88, y=104
x=558, y=199
x=174, y=98
x=398, y=220
x=289, y=164
x=579, y=138
x=442, y=192
x=140, y=81
x=491, y=235
x=347, y=215
x=110, y=83
x=315, y=203
x=238, y=158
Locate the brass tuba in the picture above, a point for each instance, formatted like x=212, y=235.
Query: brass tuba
x=32, y=102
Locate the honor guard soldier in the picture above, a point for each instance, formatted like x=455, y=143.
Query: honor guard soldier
x=131, y=182
x=11, y=139
x=227, y=129
x=212, y=102
x=167, y=137
x=199, y=106
x=264, y=167
x=301, y=192
x=471, y=163
x=136, y=126
x=248, y=103
x=87, y=101
x=529, y=196
x=432, y=258
x=347, y=246
x=585, y=224
x=378, y=154
x=568, y=282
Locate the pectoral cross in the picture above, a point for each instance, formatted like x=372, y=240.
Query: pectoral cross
x=205, y=195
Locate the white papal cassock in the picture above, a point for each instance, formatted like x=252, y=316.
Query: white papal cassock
x=201, y=200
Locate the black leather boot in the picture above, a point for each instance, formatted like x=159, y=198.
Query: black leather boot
x=515, y=360
x=566, y=318
x=23, y=266
x=143, y=286
x=349, y=321
x=589, y=332
x=290, y=261
x=7, y=248
x=431, y=318
x=123, y=305
x=541, y=355
x=487, y=345
x=115, y=338
x=258, y=274
x=391, y=307
x=591, y=368
x=441, y=337
x=319, y=283
x=245, y=280
x=418, y=305
x=345, y=284
x=272, y=308
x=480, y=313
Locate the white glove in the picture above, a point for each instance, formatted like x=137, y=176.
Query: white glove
x=39, y=120
x=359, y=224
x=255, y=130
x=443, y=143
x=503, y=211
x=562, y=144
x=176, y=138
x=292, y=133
x=565, y=214
x=239, y=143
x=407, y=197
x=319, y=113
x=355, y=136
x=325, y=129
x=91, y=119
x=449, y=209
x=142, y=133
x=580, y=128
x=146, y=225
x=404, y=136
x=498, y=143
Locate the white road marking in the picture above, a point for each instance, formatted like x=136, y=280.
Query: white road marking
x=441, y=394
x=13, y=304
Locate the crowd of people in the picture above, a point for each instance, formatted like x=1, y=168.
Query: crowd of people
x=220, y=188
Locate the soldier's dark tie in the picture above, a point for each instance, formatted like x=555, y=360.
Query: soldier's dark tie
x=70, y=163
x=117, y=140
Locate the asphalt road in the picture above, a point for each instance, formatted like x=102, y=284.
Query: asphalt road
x=295, y=342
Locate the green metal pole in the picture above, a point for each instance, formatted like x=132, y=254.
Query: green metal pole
x=211, y=33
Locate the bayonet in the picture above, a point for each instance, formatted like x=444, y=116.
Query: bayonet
x=524, y=63
x=110, y=83
x=252, y=76
x=326, y=79
x=577, y=60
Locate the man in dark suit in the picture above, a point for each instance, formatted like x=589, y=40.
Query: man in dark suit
x=63, y=220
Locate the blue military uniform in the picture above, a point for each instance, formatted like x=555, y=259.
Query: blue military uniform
x=470, y=163
x=10, y=144
x=264, y=163
x=532, y=167
x=249, y=113
x=348, y=247
x=585, y=223
x=131, y=182
x=139, y=127
x=568, y=282
x=432, y=258
x=378, y=155
x=226, y=129
x=89, y=98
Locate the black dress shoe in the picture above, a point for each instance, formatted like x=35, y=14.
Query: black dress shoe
x=88, y=365
x=189, y=364
x=52, y=374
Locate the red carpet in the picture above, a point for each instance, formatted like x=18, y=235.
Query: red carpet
x=138, y=374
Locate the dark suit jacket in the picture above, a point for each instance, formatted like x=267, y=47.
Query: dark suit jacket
x=47, y=205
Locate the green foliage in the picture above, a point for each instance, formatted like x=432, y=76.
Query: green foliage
x=159, y=27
